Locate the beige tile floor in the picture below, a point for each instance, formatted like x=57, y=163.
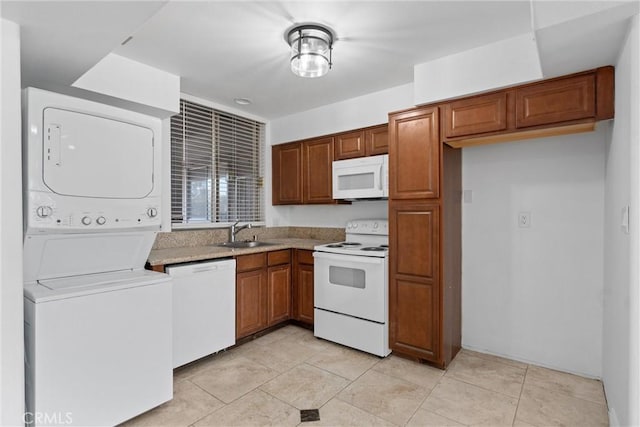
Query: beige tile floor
x=267, y=381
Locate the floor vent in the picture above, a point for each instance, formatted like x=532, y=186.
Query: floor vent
x=309, y=415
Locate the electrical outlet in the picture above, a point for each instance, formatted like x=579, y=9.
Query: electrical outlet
x=524, y=219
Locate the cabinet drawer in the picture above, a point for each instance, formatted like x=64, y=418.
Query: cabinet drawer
x=481, y=114
x=305, y=257
x=556, y=101
x=251, y=262
x=279, y=257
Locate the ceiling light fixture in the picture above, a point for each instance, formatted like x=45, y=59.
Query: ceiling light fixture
x=311, y=48
x=242, y=101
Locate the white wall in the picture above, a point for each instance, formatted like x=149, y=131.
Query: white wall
x=11, y=335
x=368, y=110
x=124, y=78
x=620, y=320
x=535, y=294
x=503, y=63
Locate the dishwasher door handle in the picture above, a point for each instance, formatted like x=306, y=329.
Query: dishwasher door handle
x=205, y=269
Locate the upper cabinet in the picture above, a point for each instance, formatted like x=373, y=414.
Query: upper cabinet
x=301, y=172
x=376, y=140
x=362, y=142
x=551, y=107
x=287, y=173
x=349, y=145
x=487, y=113
x=556, y=101
x=414, y=160
x=317, y=159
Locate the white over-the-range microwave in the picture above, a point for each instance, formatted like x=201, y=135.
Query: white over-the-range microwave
x=361, y=178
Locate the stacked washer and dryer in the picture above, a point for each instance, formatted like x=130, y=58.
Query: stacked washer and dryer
x=97, y=324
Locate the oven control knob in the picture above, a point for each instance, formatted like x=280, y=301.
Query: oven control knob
x=44, y=211
x=375, y=225
x=101, y=220
x=152, y=212
x=85, y=220
x=355, y=225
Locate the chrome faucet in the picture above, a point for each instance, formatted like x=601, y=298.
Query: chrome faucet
x=234, y=229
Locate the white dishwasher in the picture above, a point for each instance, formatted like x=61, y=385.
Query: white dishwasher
x=204, y=309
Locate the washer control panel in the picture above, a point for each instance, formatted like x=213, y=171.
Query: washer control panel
x=45, y=215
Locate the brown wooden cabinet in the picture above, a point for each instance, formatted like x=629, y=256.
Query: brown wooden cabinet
x=263, y=291
x=301, y=172
x=251, y=302
x=317, y=159
x=279, y=287
x=303, y=287
x=376, y=140
x=287, y=174
x=424, y=244
x=369, y=141
x=557, y=106
x=556, y=101
x=414, y=292
x=349, y=145
x=414, y=162
x=487, y=113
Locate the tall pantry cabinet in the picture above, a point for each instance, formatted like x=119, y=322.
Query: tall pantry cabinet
x=424, y=239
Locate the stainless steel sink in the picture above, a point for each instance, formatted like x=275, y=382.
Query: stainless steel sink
x=246, y=244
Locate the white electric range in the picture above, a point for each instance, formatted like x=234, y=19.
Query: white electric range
x=351, y=288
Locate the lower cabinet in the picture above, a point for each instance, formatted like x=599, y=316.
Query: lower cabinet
x=279, y=294
x=273, y=287
x=263, y=291
x=251, y=302
x=303, y=287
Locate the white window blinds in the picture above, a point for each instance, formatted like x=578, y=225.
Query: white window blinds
x=216, y=167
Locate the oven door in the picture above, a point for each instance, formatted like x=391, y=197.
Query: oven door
x=352, y=285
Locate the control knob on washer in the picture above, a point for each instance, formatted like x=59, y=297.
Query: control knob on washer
x=44, y=211
x=101, y=220
x=85, y=220
x=152, y=212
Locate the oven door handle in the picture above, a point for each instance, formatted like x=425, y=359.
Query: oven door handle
x=343, y=257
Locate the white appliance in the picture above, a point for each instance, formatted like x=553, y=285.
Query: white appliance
x=361, y=178
x=97, y=325
x=204, y=315
x=351, y=288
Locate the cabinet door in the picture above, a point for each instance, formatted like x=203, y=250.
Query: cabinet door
x=317, y=167
x=414, y=154
x=279, y=294
x=349, y=145
x=376, y=140
x=556, y=101
x=286, y=174
x=251, y=302
x=304, y=293
x=414, y=294
x=487, y=113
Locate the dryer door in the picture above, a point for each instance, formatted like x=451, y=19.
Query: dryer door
x=90, y=156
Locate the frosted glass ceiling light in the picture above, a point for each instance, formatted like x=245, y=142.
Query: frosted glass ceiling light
x=311, y=47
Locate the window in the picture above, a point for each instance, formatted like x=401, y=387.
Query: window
x=216, y=167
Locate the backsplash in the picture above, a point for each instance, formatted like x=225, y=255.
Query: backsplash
x=204, y=237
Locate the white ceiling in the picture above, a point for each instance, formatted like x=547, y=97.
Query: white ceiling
x=229, y=49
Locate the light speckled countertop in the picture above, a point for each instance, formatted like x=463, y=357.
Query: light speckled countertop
x=200, y=253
